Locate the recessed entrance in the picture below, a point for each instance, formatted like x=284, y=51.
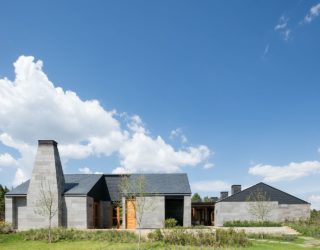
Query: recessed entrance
x=174, y=208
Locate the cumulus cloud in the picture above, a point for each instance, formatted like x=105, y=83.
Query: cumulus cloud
x=142, y=153
x=208, y=165
x=314, y=12
x=6, y=160
x=282, y=27
x=210, y=186
x=290, y=172
x=315, y=201
x=86, y=170
x=32, y=108
x=178, y=133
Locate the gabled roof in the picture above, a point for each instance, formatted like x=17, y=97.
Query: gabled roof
x=169, y=184
x=86, y=184
x=75, y=184
x=156, y=184
x=271, y=193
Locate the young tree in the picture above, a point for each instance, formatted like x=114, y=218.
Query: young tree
x=3, y=191
x=207, y=199
x=259, y=204
x=135, y=192
x=47, y=205
x=196, y=197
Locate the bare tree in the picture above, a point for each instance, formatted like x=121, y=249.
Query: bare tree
x=135, y=190
x=47, y=205
x=259, y=204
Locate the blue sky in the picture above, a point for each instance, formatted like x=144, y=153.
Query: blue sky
x=233, y=86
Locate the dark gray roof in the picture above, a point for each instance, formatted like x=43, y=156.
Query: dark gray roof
x=82, y=184
x=271, y=193
x=156, y=184
x=75, y=184
x=169, y=184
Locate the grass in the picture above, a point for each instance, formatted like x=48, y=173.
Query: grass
x=15, y=241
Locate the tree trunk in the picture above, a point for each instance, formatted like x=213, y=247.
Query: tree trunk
x=139, y=239
x=50, y=230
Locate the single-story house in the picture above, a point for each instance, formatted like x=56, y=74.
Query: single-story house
x=257, y=202
x=94, y=200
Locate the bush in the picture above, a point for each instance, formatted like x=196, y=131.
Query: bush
x=5, y=228
x=246, y=223
x=305, y=228
x=194, y=237
x=59, y=234
x=231, y=237
x=170, y=223
x=279, y=237
x=155, y=235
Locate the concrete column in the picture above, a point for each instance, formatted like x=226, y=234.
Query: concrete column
x=10, y=211
x=187, y=211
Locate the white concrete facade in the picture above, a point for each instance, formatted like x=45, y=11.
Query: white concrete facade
x=231, y=211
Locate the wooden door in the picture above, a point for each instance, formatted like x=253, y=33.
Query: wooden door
x=130, y=214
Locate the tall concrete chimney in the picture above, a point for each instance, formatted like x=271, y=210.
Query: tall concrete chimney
x=224, y=194
x=47, y=174
x=235, y=189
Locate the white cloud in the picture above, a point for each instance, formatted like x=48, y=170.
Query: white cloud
x=142, y=153
x=208, y=165
x=290, y=172
x=86, y=170
x=178, y=133
x=6, y=160
x=32, y=108
x=210, y=186
x=315, y=201
x=313, y=13
x=282, y=27
x=282, y=23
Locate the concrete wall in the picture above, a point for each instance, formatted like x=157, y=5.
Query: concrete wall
x=9, y=211
x=230, y=211
x=75, y=213
x=154, y=214
x=187, y=211
x=47, y=179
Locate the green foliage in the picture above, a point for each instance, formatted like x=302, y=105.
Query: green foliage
x=185, y=237
x=169, y=223
x=5, y=228
x=245, y=223
x=231, y=237
x=278, y=237
x=155, y=235
x=3, y=191
x=59, y=234
x=206, y=199
x=196, y=197
x=310, y=227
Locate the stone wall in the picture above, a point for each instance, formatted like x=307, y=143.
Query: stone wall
x=230, y=211
x=75, y=213
x=154, y=214
x=187, y=211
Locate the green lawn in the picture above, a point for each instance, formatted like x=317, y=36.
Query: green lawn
x=15, y=242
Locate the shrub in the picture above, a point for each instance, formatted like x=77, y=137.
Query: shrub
x=231, y=237
x=155, y=235
x=194, y=237
x=306, y=228
x=170, y=223
x=59, y=234
x=279, y=237
x=246, y=223
x=5, y=228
